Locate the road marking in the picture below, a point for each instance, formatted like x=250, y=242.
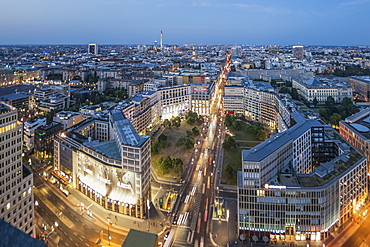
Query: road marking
x=65, y=243
x=180, y=219
x=89, y=245
x=75, y=233
x=70, y=238
x=81, y=239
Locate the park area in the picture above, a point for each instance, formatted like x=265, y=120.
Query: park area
x=172, y=148
x=246, y=136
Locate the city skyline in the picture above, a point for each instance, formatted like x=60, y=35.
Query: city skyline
x=197, y=22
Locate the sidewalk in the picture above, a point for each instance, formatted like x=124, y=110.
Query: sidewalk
x=121, y=223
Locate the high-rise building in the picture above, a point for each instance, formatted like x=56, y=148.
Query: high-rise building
x=298, y=51
x=161, y=41
x=92, y=49
x=16, y=181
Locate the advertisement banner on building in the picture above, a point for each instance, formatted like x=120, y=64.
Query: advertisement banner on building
x=117, y=184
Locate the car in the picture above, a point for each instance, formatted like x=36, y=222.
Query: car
x=166, y=236
x=174, y=220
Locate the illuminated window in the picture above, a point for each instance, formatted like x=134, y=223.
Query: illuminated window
x=8, y=205
x=260, y=193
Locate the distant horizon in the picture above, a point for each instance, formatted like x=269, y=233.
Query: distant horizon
x=199, y=44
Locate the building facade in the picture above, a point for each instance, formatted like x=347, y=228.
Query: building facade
x=360, y=85
x=321, y=89
x=115, y=173
x=16, y=181
x=300, y=184
x=356, y=130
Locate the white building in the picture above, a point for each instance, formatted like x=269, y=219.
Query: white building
x=68, y=118
x=321, y=89
x=113, y=172
x=29, y=131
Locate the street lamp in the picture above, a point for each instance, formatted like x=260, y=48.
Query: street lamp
x=227, y=219
x=109, y=237
x=148, y=204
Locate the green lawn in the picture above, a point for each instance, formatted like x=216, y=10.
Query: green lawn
x=234, y=158
x=243, y=133
x=174, y=150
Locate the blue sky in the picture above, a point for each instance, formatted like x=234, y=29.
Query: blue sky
x=279, y=22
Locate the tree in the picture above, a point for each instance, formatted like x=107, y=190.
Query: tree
x=162, y=138
x=177, y=165
x=229, y=143
x=261, y=134
x=229, y=119
x=295, y=94
x=189, y=133
x=154, y=147
x=229, y=172
x=236, y=125
x=167, y=163
x=315, y=102
x=166, y=123
x=324, y=113
x=329, y=101
x=346, y=102
x=176, y=122
x=195, y=131
x=189, y=144
x=335, y=118
x=182, y=139
x=284, y=90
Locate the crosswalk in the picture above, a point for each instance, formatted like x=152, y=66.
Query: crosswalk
x=183, y=218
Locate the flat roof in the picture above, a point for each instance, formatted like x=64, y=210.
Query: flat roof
x=264, y=149
x=140, y=238
x=359, y=123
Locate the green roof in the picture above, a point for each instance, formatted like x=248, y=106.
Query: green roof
x=139, y=238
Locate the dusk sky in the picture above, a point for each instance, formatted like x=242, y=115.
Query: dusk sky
x=284, y=22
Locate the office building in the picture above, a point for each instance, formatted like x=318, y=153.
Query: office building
x=44, y=139
x=21, y=101
x=356, y=130
x=92, y=49
x=321, y=89
x=29, y=132
x=234, y=99
x=360, y=86
x=300, y=184
x=108, y=161
x=16, y=181
x=68, y=118
x=298, y=52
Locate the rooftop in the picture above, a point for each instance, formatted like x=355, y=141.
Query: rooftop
x=140, y=238
x=359, y=123
x=11, y=236
x=264, y=149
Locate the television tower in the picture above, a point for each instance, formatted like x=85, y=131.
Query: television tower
x=160, y=41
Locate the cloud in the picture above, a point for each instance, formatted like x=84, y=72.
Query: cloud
x=264, y=9
x=353, y=3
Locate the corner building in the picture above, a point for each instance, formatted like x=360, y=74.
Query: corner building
x=300, y=184
x=16, y=181
x=112, y=169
